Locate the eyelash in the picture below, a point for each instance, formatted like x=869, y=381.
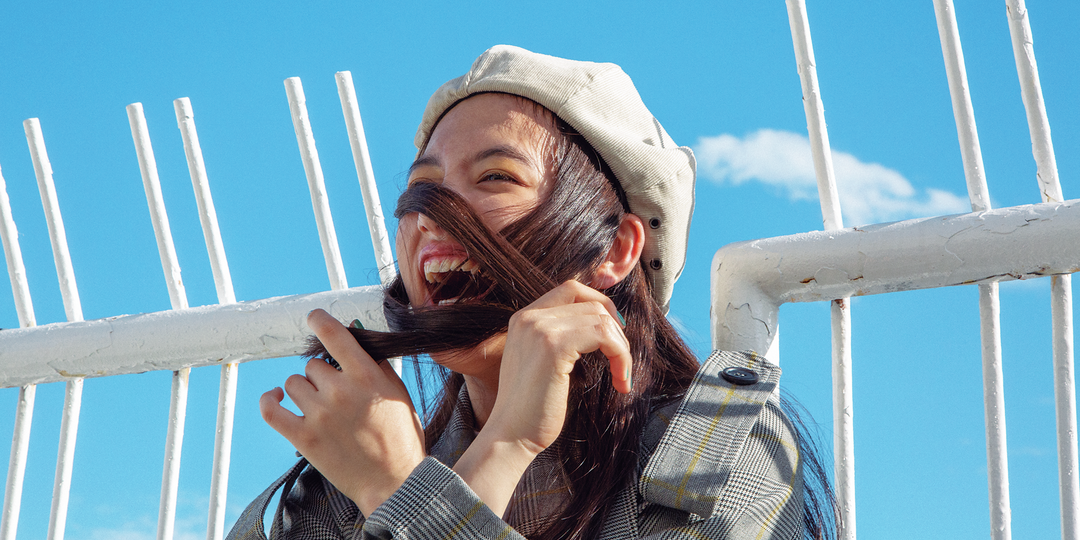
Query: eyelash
x=499, y=177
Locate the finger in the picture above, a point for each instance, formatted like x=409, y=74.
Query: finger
x=300, y=391
x=612, y=343
x=281, y=419
x=317, y=370
x=575, y=292
x=584, y=328
x=339, y=342
x=616, y=348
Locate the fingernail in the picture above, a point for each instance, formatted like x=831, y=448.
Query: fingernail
x=356, y=324
x=626, y=375
x=622, y=320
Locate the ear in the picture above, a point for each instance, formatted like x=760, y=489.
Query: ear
x=624, y=253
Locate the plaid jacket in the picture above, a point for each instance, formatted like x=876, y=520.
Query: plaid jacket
x=722, y=463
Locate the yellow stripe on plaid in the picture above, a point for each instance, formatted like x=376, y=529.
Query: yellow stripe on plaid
x=790, y=486
x=536, y=494
x=681, y=492
x=461, y=523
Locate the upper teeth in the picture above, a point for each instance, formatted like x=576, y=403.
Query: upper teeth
x=433, y=269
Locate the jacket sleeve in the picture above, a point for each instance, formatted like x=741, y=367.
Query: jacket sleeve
x=434, y=503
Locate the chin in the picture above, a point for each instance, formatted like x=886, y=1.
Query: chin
x=480, y=361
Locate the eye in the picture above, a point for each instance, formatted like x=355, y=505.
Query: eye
x=498, y=176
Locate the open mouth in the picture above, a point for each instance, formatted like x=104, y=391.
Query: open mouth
x=450, y=280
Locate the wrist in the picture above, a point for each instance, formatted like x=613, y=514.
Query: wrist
x=370, y=496
x=492, y=467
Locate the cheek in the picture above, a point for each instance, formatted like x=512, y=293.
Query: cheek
x=499, y=211
x=405, y=245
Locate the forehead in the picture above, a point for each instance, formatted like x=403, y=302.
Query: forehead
x=492, y=119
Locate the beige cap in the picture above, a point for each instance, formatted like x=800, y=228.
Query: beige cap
x=601, y=103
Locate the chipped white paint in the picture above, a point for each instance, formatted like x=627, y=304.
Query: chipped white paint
x=24, y=410
x=829, y=197
x=1031, y=93
x=305, y=139
x=1042, y=147
x=170, y=340
x=750, y=280
x=997, y=465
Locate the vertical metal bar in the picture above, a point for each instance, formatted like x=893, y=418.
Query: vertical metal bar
x=1065, y=398
x=69, y=423
x=20, y=445
x=1031, y=92
x=57, y=235
x=174, y=440
x=815, y=115
x=170, y=265
x=843, y=402
x=219, y=481
x=160, y=219
x=69, y=428
x=20, y=289
x=963, y=111
x=380, y=239
x=319, y=201
x=1042, y=147
x=185, y=120
x=997, y=462
x=24, y=411
x=843, y=416
x=997, y=459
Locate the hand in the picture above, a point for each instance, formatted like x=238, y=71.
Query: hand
x=359, y=427
x=543, y=343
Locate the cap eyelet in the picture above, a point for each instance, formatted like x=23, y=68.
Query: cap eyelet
x=655, y=264
x=654, y=223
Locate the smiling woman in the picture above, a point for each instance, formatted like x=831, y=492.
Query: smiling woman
x=539, y=238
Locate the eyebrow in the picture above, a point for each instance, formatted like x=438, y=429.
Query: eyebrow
x=501, y=150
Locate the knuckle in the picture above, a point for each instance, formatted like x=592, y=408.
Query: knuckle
x=292, y=382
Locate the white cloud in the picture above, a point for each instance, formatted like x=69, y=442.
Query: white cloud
x=869, y=192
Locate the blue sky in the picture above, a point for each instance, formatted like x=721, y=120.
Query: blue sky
x=720, y=76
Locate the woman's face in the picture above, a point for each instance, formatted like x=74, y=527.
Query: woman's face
x=494, y=150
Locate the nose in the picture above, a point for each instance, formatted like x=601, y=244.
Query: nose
x=428, y=225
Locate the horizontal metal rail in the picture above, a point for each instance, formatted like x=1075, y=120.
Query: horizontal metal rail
x=750, y=280
x=170, y=340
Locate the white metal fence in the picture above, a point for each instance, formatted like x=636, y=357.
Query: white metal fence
x=751, y=281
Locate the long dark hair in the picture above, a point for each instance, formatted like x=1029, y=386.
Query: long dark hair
x=565, y=236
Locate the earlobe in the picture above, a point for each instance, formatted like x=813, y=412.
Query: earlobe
x=624, y=253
